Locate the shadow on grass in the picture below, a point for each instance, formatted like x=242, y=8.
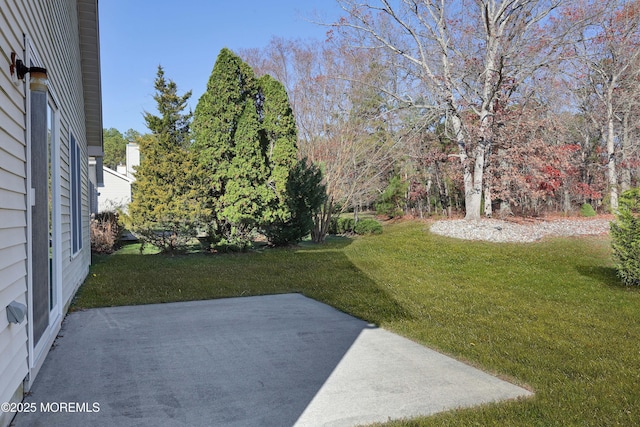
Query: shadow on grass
x=134, y=248
x=332, y=242
x=605, y=275
x=322, y=272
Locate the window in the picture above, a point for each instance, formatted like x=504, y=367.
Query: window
x=76, y=196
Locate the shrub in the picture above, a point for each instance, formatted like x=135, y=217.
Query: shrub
x=587, y=210
x=345, y=225
x=625, y=238
x=305, y=195
x=368, y=226
x=105, y=232
x=333, y=225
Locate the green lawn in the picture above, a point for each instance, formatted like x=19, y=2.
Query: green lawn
x=549, y=316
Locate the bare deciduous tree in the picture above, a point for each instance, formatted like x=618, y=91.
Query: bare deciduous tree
x=607, y=57
x=345, y=126
x=467, y=56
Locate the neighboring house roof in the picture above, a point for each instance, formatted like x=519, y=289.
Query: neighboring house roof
x=90, y=58
x=117, y=175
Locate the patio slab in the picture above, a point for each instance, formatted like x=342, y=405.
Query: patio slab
x=279, y=360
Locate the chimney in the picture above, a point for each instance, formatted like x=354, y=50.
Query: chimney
x=133, y=159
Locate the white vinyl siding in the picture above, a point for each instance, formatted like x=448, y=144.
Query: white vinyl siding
x=116, y=192
x=52, y=30
x=52, y=26
x=13, y=221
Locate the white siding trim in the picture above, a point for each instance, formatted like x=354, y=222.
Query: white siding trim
x=57, y=207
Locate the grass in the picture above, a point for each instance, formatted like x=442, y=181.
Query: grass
x=550, y=316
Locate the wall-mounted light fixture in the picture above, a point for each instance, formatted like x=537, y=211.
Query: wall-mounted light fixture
x=38, y=80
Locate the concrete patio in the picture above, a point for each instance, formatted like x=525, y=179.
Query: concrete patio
x=280, y=360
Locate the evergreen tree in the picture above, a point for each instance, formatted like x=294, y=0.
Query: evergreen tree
x=131, y=136
x=305, y=196
x=246, y=194
x=218, y=114
x=625, y=238
x=391, y=201
x=115, y=148
x=245, y=136
x=297, y=186
x=164, y=211
x=279, y=128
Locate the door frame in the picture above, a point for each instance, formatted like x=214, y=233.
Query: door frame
x=38, y=352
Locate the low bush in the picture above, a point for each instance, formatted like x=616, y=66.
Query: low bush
x=368, y=226
x=625, y=238
x=587, y=210
x=345, y=225
x=333, y=225
x=106, y=231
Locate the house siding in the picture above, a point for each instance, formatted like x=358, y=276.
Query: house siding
x=116, y=193
x=13, y=223
x=59, y=51
x=52, y=29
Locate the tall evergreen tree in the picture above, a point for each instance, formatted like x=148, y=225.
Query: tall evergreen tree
x=296, y=186
x=163, y=211
x=245, y=136
x=216, y=120
x=246, y=196
x=279, y=129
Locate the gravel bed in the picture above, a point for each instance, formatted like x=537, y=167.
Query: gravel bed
x=494, y=230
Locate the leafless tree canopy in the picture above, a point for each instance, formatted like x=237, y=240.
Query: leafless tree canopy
x=526, y=105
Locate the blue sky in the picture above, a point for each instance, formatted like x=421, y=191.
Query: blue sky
x=185, y=37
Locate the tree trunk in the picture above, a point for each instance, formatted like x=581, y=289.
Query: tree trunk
x=473, y=203
x=472, y=179
x=473, y=189
x=566, y=201
x=488, y=210
x=625, y=172
x=611, y=165
x=428, y=196
x=321, y=222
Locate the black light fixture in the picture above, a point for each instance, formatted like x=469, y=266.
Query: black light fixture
x=20, y=70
